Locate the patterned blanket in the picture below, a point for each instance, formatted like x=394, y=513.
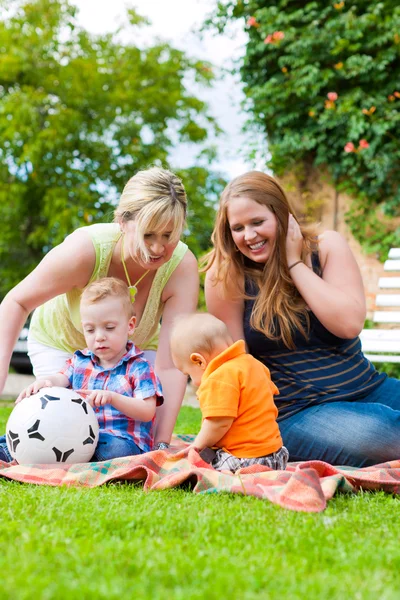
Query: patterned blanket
x=305, y=486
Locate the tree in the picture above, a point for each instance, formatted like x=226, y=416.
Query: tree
x=79, y=114
x=323, y=82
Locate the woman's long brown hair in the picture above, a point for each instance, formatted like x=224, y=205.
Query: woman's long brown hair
x=279, y=310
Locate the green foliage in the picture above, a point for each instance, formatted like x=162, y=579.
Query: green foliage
x=324, y=76
x=79, y=115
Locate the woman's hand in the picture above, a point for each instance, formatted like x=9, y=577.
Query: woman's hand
x=294, y=241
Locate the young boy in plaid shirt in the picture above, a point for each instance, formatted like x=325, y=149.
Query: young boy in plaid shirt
x=111, y=373
x=236, y=396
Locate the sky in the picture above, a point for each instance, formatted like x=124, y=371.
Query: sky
x=175, y=21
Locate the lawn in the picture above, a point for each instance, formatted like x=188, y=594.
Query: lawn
x=118, y=542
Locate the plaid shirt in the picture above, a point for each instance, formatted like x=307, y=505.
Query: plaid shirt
x=132, y=376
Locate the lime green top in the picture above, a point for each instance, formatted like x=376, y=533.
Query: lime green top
x=57, y=322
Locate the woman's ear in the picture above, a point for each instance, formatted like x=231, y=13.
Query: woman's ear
x=198, y=359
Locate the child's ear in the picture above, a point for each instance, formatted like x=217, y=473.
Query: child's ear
x=131, y=325
x=198, y=360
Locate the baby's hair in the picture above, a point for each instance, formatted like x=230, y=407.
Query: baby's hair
x=108, y=287
x=198, y=332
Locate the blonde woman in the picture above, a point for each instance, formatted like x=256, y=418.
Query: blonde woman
x=297, y=299
x=141, y=247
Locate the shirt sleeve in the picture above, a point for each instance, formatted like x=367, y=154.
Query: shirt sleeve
x=144, y=381
x=68, y=370
x=219, y=398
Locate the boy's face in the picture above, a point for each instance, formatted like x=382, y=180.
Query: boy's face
x=106, y=328
x=193, y=366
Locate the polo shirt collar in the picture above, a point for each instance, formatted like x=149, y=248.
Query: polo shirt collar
x=237, y=349
x=131, y=352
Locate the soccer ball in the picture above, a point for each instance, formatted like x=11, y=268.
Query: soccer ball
x=55, y=425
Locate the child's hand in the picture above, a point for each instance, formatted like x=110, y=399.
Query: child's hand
x=33, y=388
x=97, y=397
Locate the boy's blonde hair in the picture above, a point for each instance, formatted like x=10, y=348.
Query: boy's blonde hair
x=108, y=287
x=198, y=332
x=153, y=199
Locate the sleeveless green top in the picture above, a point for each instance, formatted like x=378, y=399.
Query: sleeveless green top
x=57, y=323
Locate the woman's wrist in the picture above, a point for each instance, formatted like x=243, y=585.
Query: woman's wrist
x=293, y=264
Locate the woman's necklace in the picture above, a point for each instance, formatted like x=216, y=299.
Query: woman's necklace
x=132, y=288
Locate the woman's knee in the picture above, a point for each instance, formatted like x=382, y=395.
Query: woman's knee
x=346, y=433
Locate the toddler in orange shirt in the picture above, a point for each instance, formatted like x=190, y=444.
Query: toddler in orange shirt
x=235, y=393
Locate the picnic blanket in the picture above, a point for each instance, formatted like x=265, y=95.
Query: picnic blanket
x=304, y=486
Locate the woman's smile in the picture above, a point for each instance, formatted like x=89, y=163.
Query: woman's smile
x=253, y=228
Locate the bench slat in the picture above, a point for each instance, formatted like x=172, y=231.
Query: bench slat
x=380, y=334
x=394, y=253
x=378, y=346
x=390, y=316
x=383, y=358
x=389, y=282
x=392, y=265
x=388, y=300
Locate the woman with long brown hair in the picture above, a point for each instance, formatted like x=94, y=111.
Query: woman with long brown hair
x=297, y=299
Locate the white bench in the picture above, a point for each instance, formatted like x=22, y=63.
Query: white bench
x=383, y=345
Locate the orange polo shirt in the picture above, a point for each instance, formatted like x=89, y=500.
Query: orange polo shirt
x=235, y=384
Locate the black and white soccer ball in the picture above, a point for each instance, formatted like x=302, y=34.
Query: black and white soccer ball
x=55, y=425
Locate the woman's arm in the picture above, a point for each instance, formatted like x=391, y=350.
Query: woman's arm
x=224, y=306
x=180, y=296
x=67, y=266
x=337, y=299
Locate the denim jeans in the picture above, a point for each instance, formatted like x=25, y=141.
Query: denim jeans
x=109, y=446
x=359, y=434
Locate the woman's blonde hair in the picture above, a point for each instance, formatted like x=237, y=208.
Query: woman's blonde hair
x=108, y=287
x=153, y=198
x=279, y=309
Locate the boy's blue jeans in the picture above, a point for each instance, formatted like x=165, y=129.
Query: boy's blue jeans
x=359, y=434
x=109, y=446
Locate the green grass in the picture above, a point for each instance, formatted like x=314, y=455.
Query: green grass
x=118, y=542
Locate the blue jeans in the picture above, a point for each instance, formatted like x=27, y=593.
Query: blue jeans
x=109, y=446
x=359, y=434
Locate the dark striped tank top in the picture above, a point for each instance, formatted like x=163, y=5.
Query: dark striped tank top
x=322, y=368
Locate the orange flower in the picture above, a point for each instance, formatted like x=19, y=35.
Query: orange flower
x=329, y=104
x=391, y=98
x=338, y=65
x=284, y=69
x=252, y=22
x=369, y=111
x=338, y=5
x=363, y=144
x=397, y=94
x=332, y=96
x=277, y=36
x=311, y=113
x=349, y=147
